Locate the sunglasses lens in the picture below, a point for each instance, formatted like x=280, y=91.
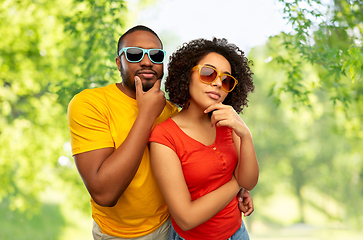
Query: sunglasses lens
x=134, y=54
x=157, y=56
x=207, y=74
x=227, y=82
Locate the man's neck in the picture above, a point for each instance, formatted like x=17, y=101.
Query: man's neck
x=129, y=92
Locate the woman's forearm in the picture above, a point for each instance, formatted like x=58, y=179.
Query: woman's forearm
x=247, y=170
x=204, y=208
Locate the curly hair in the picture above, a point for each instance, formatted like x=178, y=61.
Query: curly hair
x=190, y=54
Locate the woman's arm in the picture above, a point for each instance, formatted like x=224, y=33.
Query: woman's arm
x=169, y=175
x=247, y=170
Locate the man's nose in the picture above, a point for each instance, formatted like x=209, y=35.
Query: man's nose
x=145, y=61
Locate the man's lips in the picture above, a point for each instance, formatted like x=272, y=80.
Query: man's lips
x=146, y=74
x=214, y=95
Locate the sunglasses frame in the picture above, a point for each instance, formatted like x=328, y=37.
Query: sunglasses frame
x=124, y=50
x=219, y=74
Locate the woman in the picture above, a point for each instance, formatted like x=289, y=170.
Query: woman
x=204, y=155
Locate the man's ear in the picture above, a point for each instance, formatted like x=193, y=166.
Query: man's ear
x=118, y=62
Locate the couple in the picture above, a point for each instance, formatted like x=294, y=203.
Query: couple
x=199, y=159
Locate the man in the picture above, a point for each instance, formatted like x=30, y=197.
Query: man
x=110, y=128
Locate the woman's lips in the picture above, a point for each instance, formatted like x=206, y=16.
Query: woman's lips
x=214, y=95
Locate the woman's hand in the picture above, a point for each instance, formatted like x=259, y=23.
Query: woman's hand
x=247, y=170
x=225, y=115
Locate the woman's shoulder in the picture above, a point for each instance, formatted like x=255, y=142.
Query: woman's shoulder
x=180, y=120
x=163, y=128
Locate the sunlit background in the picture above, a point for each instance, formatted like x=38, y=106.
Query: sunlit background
x=305, y=114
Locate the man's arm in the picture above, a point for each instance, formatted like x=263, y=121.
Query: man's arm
x=107, y=173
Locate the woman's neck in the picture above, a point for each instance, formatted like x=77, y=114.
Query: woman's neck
x=192, y=115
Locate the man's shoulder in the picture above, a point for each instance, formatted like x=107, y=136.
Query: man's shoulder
x=87, y=99
x=92, y=94
x=172, y=108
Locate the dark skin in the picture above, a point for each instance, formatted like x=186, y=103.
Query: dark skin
x=107, y=172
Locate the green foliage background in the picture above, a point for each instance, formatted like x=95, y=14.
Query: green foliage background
x=306, y=113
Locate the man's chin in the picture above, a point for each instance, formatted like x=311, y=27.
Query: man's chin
x=146, y=86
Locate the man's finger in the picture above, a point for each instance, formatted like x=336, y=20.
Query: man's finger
x=249, y=211
x=242, y=207
x=157, y=84
x=138, y=85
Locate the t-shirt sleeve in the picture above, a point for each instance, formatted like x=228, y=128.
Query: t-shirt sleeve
x=88, y=124
x=161, y=135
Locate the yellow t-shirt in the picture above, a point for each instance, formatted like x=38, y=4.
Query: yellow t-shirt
x=100, y=118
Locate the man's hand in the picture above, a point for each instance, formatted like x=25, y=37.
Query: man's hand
x=245, y=202
x=152, y=102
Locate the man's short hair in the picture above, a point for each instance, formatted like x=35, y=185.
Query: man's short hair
x=134, y=29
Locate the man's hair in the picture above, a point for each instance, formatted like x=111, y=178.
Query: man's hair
x=189, y=55
x=134, y=29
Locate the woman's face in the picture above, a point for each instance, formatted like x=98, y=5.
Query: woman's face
x=204, y=94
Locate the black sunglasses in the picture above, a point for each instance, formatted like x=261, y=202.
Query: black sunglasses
x=135, y=54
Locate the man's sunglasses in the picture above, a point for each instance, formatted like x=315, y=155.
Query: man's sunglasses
x=209, y=75
x=135, y=54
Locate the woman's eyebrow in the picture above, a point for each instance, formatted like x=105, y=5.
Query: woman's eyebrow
x=209, y=65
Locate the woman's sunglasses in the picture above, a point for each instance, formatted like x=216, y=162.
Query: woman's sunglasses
x=135, y=54
x=209, y=75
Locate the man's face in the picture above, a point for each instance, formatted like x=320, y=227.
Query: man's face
x=148, y=71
